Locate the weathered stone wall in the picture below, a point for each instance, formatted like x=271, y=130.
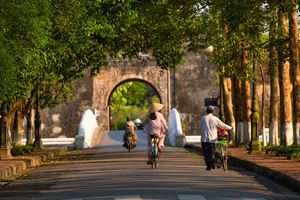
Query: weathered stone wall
x=63, y=120
x=195, y=80
x=184, y=88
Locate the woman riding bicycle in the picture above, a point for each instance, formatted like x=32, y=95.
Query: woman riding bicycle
x=155, y=124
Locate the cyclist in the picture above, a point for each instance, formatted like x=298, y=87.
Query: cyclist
x=208, y=130
x=155, y=124
x=129, y=128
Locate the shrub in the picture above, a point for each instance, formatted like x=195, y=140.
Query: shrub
x=21, y=150
x=290, y=151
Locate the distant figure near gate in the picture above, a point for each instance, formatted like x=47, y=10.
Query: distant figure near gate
x=129, y=132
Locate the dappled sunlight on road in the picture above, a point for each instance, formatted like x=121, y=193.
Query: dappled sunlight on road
x=111, y=172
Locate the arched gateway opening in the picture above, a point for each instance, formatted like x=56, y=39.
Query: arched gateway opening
x=120, y=72
x=131, y=98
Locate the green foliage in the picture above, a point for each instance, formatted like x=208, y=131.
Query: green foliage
x=7, y=74
x=21, y=150
x=130, y=99
x=234, y=31
x=47, y=45
x=123, y=29
x=24, y=33
x=289, y=151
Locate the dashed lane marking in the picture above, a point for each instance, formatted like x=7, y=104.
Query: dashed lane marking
x=129, y=197
x=190, y=197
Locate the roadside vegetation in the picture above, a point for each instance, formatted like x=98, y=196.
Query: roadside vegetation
x=21, y=150
x=291, y=152
x=46, y=45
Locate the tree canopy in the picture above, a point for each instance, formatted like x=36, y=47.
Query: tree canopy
x=49, y=44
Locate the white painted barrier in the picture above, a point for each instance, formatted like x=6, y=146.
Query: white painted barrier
x=192, y=139
x=86, y=128
x=174, y=129
x=54, y=141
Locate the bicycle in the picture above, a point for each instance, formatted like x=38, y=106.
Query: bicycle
x=154, y=154
x=221, y=150
x=129, y=141
x=221, y=154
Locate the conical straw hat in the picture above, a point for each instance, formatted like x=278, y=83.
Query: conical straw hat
x=154, y=107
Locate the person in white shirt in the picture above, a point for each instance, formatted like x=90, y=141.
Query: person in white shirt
x=209, y=125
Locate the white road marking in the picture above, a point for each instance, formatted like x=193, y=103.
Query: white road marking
x=129, y=197
x=191, y=197
x=74, y=199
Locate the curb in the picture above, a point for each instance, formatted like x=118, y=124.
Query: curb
x=277, y=176
x=17, y=166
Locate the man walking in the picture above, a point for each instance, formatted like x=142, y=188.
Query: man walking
x=209, y=137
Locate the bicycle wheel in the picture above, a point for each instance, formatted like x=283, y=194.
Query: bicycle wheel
x=152, y=163
x=156, y=161
x=152, y=156
x=218, y=156
x=218, y=160
x=224, y=159
x=129, y=145
x=224, y=163
x=156, y=155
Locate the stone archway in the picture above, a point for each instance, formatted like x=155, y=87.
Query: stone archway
x=119, y=72
x=186, y=88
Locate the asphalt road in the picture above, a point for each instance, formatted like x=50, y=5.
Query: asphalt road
x=110, y=172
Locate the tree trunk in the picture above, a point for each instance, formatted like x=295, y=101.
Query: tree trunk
x=262, y=118
x=29, y=134
x=285, y=86
x=274, y=84
x=246, y=101
x=229, y=119
x=237, y=95
x=5, y=122
x=246, y=110
x=17, y=132
x=295, y=70
x=221, y=100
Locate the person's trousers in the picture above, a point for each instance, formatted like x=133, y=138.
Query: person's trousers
x=209, y=153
